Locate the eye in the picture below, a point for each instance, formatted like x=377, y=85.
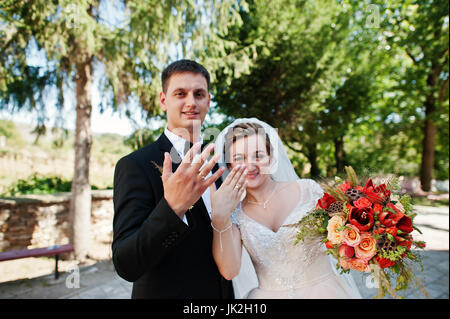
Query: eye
x=179, y=94
x=260, y=155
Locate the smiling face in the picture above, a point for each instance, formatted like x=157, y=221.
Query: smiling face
x=186, y=101
x=252, y=151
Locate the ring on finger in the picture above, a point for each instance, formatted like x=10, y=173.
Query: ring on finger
x=203, y=177
x=237, y=186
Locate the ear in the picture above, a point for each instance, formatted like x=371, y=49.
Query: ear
x=162, y=100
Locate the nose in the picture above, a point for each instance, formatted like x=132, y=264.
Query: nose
x=190, y=99
x=250, y=165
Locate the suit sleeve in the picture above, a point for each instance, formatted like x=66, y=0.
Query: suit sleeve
x=144, y=231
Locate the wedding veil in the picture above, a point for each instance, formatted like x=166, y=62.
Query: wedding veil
x=281, y=169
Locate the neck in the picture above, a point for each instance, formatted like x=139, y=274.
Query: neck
x=261, y=193
x=191, y=134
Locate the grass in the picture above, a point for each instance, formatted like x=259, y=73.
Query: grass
x=424, y=201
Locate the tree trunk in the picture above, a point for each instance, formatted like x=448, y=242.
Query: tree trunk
x=81, y=189
x=312, y=157
x=429, y=133
x=339, y=154
x=426, y=169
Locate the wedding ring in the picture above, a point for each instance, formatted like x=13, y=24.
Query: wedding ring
x=237, y=186
x=202, y=177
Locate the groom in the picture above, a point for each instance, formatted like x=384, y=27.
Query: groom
x=162, y=235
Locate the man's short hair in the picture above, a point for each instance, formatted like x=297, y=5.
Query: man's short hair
x=182, y=66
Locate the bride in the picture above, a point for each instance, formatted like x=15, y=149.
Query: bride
x=260, y=194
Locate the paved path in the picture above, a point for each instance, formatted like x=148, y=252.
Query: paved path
x=101, y=281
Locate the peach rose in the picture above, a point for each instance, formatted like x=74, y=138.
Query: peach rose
x=350, y=235
x=343, y=262
x=367, y=248
x=334, y=235
x=359, y=264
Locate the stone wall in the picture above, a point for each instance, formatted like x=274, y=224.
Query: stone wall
x=43, y=220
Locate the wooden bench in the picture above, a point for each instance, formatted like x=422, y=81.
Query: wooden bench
x=38, y=252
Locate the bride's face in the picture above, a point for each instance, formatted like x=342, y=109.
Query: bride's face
x=252, y=151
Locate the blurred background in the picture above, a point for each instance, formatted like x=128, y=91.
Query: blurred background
x=360, y=83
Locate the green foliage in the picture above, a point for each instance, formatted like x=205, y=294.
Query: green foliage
x=38, y=184
x=313, y=225
x=142, y=137
x=343, y=91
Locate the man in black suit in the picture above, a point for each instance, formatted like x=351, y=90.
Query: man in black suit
x=162, y=239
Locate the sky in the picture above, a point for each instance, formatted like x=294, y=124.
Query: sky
x=107, y=122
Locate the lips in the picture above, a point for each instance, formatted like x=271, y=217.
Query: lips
x=252, y=175
x=191, y=114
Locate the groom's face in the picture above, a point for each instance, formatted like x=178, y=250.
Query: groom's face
x=186, y=100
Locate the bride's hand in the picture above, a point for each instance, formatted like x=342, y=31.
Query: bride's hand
x=227, y=197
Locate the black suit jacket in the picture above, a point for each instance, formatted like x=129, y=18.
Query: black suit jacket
x=152, y=246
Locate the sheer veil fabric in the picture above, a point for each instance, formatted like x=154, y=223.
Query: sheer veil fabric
x=281, y=170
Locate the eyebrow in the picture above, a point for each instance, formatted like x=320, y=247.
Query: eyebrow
x=184, y=89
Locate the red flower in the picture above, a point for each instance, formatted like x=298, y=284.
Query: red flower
x=376, y=194
x=404, y=224
x=362, y=203
x=389, y=218
x=368, y=184
x=361, y=218
x=420, y=244
x=380, y=188
x=325, y=201
x=329, y=244
x=345, y=186
x=373, y=196
x=384, y=263
x=403, y=242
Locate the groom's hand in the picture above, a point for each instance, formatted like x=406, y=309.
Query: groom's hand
x=184, y=187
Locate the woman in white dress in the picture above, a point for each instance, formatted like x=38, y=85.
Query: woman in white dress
x=260, y=194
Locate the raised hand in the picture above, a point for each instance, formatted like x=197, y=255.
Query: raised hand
x=227, y=197
x=186, y=185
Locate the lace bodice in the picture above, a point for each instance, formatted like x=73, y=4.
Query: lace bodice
x=279, y=264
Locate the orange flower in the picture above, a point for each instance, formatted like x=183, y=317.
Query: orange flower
x=350, y=235
x=359, y=264
x=329, y=244
x=367, y=248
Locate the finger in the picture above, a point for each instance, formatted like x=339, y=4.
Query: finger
x=234, y=181
x=212, y=191
x=242, y=189
x=214, y=177
x=210, y=165
x=230, y=176
x=242, y=178
x=187, y=160
x=167, y=167
x=198, y=162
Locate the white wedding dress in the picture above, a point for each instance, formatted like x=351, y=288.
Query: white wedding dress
x=285, y=270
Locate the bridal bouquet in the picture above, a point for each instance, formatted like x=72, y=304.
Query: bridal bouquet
x=366, y=229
